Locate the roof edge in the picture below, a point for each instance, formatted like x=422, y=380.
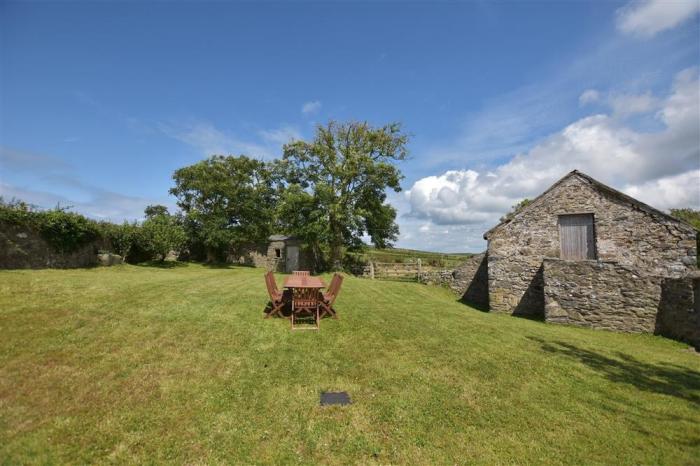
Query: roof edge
x=603, y=187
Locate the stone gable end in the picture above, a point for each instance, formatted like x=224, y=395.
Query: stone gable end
x=624, y=232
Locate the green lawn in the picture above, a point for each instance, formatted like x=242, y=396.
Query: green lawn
x=144, y=364
x=404, y=255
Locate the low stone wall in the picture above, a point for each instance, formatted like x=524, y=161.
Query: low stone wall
x=22, y=248
x=470, y=280
x=679, y=309
x=598, y=294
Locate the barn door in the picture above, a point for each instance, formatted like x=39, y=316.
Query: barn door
x=292, y=258
x=577, y=237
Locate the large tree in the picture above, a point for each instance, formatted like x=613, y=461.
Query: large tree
x=227, y=201
x=345, y=171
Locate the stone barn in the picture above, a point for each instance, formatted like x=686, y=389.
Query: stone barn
x=586, y=254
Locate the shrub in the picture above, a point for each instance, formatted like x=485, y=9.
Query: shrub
x=64, y=231
x=161, y=234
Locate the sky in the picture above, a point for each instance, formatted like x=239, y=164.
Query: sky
x=101, y=101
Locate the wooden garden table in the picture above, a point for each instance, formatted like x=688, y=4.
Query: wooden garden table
x=303, y=281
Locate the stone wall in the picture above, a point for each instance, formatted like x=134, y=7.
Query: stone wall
x=604, y=295
x=612, y=296
x=679, y=310
x=625, y=233
x=251, y=255
x=22, y=248
x=469, y=280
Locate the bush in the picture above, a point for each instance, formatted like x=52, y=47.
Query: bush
x=124, y=238
x=162, y=234
x=64, y=231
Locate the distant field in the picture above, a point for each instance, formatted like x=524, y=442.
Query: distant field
x=137, y=364
x=406, y=255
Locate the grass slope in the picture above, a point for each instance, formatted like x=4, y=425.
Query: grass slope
x=140, y=364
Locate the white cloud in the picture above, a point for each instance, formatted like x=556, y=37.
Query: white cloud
x=588, y=96
x=648, y=17
x=631, y=104
x=661, y=167
x=310, y=108
x=210, y=140
x=280, y=136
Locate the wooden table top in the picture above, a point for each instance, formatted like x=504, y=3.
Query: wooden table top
x=303, y=281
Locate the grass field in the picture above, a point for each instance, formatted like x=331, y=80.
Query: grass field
x=143, y=364
x=406, y=255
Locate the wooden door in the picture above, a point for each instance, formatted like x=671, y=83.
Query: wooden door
x=292, y=258
x=577, y=236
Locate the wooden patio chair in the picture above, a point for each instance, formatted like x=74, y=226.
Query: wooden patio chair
x=276, y=296
x=301, y=272
x=330, y=296
x=305, y=301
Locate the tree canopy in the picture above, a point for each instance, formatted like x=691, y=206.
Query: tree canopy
x=341, y=178
x=226, y=200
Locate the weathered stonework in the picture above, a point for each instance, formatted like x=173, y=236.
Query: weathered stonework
x=471, y=281
x=22, y=248
x=272, y=256
x=604, y=295
x=626, y=232
x=679, y=309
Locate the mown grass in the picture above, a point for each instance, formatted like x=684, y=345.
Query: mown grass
x=143, y=364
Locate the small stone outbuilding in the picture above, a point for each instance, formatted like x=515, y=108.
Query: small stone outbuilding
x=282, y=253
x=586, y=254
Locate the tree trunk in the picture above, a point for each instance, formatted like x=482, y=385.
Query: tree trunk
x=336, y=245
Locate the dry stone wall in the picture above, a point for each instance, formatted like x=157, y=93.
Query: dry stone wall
x=604, y=295
x=22, y=248
x=624, y=233
x=612, y=296
x=679, y=310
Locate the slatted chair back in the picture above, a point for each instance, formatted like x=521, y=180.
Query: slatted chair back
x=305, y=298
x=334, y=288
x=302, y=272
x=272, y=289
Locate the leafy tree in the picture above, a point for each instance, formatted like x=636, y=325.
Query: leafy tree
x=161, y=234
x=688, y=215
x=515, y=209
x=155, y=210
x=123, y=237
x=227, y=201
x=346, y=170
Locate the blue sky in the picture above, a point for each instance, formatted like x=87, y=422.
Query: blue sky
x=100, y=102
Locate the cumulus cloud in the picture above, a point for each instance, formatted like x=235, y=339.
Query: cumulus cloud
x=648, y=17
x=311, y=107
x=661, y=168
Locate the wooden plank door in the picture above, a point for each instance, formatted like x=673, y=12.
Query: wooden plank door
x=577, y=237
x=292, y=258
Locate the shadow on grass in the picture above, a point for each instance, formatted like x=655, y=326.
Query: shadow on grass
x=666, y=379
x=162, y=264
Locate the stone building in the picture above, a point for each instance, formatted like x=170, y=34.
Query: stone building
x=583, y=253
x=281, y=254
